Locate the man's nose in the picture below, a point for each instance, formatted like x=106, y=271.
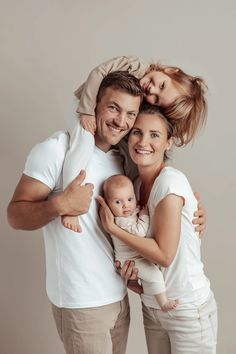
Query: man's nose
x=121, y=119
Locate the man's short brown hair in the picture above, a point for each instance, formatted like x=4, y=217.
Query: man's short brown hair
x=121, y=81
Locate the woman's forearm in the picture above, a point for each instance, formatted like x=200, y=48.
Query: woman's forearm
x=145, y=246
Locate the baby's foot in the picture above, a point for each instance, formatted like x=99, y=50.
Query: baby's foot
x=71, y=222
x=169, y=305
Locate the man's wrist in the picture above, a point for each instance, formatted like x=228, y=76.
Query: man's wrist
x=58, y=205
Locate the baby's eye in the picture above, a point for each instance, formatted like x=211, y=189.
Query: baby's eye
x=117, y=201
x=130, y=199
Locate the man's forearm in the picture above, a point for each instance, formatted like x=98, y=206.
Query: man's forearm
x=26, y=215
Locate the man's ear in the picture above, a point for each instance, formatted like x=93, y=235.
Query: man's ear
x=170, y=70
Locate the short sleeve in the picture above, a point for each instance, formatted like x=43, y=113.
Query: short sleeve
x=171, y=181
x=45, y=160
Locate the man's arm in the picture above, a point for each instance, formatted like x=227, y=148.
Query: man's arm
x=30, y=208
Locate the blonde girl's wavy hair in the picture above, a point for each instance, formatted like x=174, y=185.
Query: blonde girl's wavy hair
x=188, y=113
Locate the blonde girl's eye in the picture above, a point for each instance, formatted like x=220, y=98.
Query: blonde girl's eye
x=162, y=85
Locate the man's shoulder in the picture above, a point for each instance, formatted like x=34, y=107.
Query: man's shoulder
x=56, y=145
x=45, y=160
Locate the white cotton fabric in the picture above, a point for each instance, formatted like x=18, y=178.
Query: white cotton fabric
x=80, y=268
x=184, y=278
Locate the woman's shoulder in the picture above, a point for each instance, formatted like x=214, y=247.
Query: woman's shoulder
x=169, y=174
x=170, y=181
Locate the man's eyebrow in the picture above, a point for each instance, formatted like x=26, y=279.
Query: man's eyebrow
x=115, y=104
x=134, y=111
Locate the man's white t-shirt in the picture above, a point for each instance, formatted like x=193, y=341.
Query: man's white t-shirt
x=80, y=268
x=184, y=278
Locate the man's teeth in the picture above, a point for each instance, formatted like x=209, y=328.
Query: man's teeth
x=117, y=130
x=143, y=152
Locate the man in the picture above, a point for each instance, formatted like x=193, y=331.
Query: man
x=88, y=297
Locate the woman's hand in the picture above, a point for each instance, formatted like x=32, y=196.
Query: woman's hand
x=200, y=217
x=106, y=216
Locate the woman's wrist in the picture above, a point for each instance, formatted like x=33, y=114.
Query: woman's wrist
x=113, y=229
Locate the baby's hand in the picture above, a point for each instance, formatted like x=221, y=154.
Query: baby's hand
x=143, y=211
x=88, y=123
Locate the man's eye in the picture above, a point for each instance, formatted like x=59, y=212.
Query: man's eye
x=113, y=108
x=132, y=115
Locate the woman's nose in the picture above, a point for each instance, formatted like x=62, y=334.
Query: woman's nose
x=143, y=140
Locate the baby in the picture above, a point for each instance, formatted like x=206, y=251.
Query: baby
x=120, y=197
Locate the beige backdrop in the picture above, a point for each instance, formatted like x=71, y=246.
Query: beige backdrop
x=47, y=48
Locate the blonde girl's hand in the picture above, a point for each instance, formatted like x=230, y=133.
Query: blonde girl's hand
x=106, y=216
x=199, y=217
x=88, y=123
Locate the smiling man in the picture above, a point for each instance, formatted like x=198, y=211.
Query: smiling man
x=89, y=299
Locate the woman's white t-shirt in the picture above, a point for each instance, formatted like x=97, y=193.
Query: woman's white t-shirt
x=184, y=278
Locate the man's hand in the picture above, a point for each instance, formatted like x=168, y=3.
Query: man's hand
x=76, y=198
x=200, y=217
x=31, y=207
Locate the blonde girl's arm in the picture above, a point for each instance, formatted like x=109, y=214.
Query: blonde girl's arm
x=167, y=221
x=88, y=91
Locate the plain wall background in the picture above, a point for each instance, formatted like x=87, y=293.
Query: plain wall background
x=48, y=48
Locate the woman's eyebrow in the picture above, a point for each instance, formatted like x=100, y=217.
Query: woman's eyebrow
x=156, y=131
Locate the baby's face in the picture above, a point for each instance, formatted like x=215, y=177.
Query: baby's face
x=122, y=201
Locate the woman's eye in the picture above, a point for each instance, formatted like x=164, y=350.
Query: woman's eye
x=136, y=132
x=155, y=135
